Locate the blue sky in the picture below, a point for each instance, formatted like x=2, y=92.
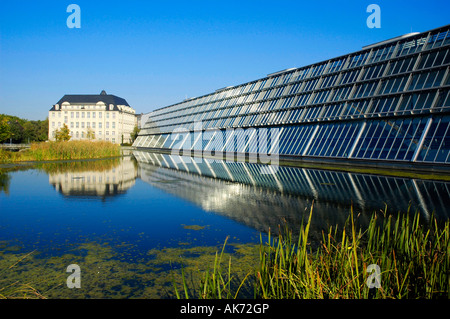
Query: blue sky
x=156, y=53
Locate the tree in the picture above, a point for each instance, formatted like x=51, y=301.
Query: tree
x=16, y=129
x=5, y=132
x=135, y=133
x=42, y=131
x=62, y=134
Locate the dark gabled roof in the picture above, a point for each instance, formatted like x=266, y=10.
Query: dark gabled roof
x=92, y=99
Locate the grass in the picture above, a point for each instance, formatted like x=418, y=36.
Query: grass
x=71, y=150
x=413, y=257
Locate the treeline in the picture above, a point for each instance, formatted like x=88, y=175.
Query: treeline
x=17, y=130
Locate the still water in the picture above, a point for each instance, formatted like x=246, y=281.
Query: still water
x=130, y=224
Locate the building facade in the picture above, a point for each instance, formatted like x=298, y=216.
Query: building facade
x=387, y=103
x=102, y=117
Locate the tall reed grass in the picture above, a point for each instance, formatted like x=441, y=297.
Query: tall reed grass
x=70, y=150
x=413, y=257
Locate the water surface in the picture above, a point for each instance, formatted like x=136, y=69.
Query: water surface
x=131, y=223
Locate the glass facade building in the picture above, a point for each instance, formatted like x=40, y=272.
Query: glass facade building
x=388, y=103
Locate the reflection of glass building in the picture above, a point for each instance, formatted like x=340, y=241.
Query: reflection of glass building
x=389, y=102
x=99, y=181
x=240, y=192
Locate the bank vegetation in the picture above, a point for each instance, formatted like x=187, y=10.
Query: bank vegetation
x=395, y=257
x=62, y=150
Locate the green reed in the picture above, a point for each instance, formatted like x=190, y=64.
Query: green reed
x=67, y=150
x=216, y=283
x=412, y=255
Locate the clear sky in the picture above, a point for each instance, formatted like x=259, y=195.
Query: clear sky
x=156, y=53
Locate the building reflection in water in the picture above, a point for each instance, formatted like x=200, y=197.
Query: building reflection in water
x=94, y=179
x=239, y=191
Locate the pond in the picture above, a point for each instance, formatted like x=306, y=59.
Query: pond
x=132, y=223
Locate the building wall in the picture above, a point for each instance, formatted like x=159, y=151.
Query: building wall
x=107, y=125
x=387, y=102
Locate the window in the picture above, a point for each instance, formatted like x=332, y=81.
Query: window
x=382, y=54
x=336, y=65
x=434, y=58
x=393, y=85
x=401, y=66
x=333, y=140
x=321, y=97
x=358, y=60
x=417, y=101
x=329, y=81
x=99, y=115
x=394, y=140
x=350, y=76
x=436, y=145
x=341, y=93
x=411, y=46
x=385, y=105
x=427, y=79
x=374, y=72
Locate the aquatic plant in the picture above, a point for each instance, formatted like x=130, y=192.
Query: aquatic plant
x=413, y=258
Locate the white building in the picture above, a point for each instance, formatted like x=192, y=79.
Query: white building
x=106, y=117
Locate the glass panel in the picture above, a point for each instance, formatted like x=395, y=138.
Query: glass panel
x=427, y=79
x=436, y=146
x=358, y=60
x=341, y=93
x=385, y=105
x=403, y=65
x=443, y=99
x=365, y=89
x=350, y=76
x=374, y=72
